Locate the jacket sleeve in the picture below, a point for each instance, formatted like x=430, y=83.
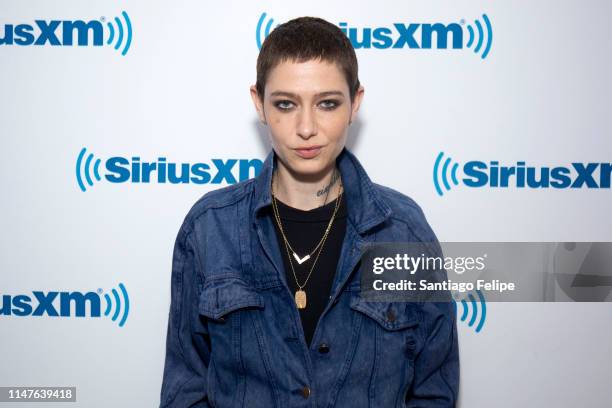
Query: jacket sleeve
x=184, y=382
x=436, y=367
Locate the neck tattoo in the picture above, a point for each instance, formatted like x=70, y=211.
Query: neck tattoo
x=335, y=177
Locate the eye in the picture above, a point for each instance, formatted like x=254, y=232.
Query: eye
x=283, y=105
x=330, y=104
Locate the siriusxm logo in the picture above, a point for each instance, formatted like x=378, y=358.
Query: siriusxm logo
x=118, y=33
x=69, y=304
x=482, y=174
x=120, y=169
x=477, y=36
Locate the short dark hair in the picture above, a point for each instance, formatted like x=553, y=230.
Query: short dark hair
x=303, y=39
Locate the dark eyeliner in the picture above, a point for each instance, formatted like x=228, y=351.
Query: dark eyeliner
x=282, y=102
x=334, y=101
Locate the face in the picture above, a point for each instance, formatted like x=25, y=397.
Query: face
x=307, y=105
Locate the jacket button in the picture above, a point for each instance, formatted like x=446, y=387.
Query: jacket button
x=390, y=316
x=221, y=319
x=305, y=392
x=323, y=348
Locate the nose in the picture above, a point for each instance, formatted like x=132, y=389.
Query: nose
x=306, y=123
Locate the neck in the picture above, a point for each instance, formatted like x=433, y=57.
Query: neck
x=306, y=192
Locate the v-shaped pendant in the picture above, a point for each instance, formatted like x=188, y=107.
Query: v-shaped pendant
x=301, y=260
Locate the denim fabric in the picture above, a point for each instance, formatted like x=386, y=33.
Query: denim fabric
x=234, y=337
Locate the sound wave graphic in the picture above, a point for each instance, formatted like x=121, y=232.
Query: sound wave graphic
x=442, y=174
x=480, y=37
x=121, y=33
x=259, y=35
x=86, y=170
x=119, y=305
x=466, y=310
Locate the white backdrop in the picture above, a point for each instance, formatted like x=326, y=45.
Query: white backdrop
x=180, y=92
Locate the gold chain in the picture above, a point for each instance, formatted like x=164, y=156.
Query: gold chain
x=309, y=254
x=287, y=246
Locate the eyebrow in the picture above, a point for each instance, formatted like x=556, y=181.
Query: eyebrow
x=295, y=96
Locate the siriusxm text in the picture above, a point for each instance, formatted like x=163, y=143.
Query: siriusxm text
x=62, y=304
x=401, y=35
x=121, y=170
x=54, y=32
x=577, y=175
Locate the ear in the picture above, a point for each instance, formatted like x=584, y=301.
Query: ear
x=356, y=103
x=257, y=101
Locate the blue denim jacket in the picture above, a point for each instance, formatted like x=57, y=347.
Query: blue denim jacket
x=234, y=335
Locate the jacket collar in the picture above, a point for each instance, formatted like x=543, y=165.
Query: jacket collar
x=366, y=208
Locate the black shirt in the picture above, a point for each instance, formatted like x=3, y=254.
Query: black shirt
x=304, y=230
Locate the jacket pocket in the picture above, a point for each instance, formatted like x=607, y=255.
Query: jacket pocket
x=389, y=315
x=225, y=294
x=231, y=308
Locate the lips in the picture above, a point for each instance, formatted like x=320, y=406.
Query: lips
x=308, y=152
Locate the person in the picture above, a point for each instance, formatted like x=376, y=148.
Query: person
x=265, y=308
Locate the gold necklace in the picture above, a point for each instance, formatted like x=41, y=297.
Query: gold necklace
x=301, y=260
x=300, y=294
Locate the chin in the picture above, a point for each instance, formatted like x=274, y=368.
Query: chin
x=309, y=167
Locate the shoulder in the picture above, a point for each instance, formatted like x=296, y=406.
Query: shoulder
x=406, y=210
x=398, y=201
x=216, y=200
